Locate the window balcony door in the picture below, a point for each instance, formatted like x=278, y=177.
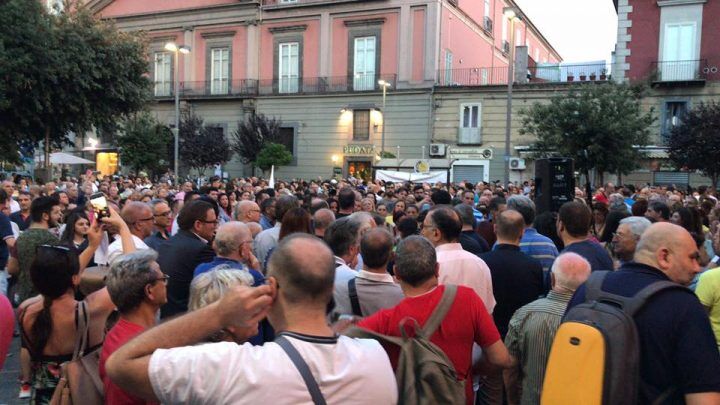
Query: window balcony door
x=364, y=69
x=163, y=74
x=678, y=57
x=220, y=71
x=289, y=67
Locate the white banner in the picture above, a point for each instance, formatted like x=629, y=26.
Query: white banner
x=429, y=177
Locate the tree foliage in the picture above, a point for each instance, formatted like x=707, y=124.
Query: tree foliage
x=273, y=154
x=253, y=134
x=145, y=144
x=599, y=126
x=65, y=72
x=695, y=143
x=202, y=146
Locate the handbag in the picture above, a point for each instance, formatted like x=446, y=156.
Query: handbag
x=80, y=381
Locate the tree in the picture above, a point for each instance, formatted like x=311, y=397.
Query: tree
x=202, y=146
x=273, y=154
x=252, y=135
x=65, y=72
x=145, y=143
x=695, y=143
x=599, y=126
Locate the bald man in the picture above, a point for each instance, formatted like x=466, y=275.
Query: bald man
x=532, y=329
x=233, y=247
x=247, y=211
x=255, y=228
x=678, y=347
x=322, y=220
x=139, y=218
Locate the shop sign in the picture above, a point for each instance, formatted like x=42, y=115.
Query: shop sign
x=457, y=152
x=359, y=150
x=422, y=166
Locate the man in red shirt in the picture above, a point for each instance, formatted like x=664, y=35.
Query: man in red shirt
x=138, y=288
x=466, y=322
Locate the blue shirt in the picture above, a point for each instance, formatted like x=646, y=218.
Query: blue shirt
x=265, y=223
x=591, y=251
x=5, y=233
x=677, y=346
x=205, y=267
x=539, y=247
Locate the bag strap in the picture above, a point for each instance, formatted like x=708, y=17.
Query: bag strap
x=639, y=300
x=357, y=332
x=439, y=312
x=593, y=285
x=83, y=330
x=302, y=367
x=354, y=300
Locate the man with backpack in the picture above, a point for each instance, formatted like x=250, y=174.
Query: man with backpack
x=664, y=353
x=466, y=320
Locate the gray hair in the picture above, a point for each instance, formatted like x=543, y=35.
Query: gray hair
x=210, y=286
x=228, y=237
x=363, y=220
x=415, y=260
x=129, y=274
x=342, y=234
x=617, y=203
x=637, y=225
x=465, y=212
x=157, y=201
x=524, y=205
x=570, y=271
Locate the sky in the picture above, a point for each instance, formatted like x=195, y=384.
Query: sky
x=580, y=30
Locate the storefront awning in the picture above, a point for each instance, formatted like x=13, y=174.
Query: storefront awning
x=409, y=164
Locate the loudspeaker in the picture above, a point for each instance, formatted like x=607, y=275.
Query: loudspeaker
x=554, y=183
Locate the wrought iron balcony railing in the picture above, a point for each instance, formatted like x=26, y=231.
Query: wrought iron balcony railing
x=493, y=76
x=680, y=70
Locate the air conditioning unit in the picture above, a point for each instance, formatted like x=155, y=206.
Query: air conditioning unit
x=488, y=24
x=437, y=149
x=517, y=164
x=506, y=47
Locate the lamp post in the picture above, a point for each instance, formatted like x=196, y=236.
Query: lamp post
x=511, y=14
x=384, y=86
x=184, y=49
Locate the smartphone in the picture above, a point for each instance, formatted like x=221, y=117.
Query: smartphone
x=100, y=205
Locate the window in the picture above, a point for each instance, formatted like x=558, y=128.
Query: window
x=487, y=8
x=678, y=52
x=163, y=73
x=220, y=71
x=672, y=116
x=469, y=132
x=537, y=54
x=288, y=67
x=364, y=64
x=55, y=6
x=287, y=1
x=504, y=28
x=361, y=125
x=448, y=68
x=484, y=76
x=286, y=137
x=518, y=37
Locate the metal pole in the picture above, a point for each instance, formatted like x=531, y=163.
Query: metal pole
x=508, y=115
x=176, y=132
x=382, y=142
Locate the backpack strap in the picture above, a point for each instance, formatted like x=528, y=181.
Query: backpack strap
x=302, y=367
x=593, y=285
x=637, y=301
x=362, y=333
x=354, y=300
x=83, y=330
x=439, y=312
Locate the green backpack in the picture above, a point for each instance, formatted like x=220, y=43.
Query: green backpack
x=424, y=373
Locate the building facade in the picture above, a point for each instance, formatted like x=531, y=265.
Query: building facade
x=672, y=46
x=318, y=67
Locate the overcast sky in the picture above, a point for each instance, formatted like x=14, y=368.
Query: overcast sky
x=580, y=30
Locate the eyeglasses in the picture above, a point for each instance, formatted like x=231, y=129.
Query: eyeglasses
x=146, y=219
x=164, y=214
x=164, y=278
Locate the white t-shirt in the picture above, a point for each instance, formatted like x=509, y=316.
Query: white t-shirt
x=347, y=370
x=115, y=249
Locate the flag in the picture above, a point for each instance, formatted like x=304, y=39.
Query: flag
x=271, y=184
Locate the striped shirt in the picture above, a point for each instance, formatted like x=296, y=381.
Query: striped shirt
x=539, y=247
x=530, y=335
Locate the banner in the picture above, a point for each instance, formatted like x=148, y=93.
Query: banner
x=429, y=177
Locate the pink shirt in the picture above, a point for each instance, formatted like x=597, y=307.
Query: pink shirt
x=461, y=267
x=7, y=325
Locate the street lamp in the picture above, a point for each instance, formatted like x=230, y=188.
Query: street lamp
x=184, y=49
x=512, y=14
x=384, y=84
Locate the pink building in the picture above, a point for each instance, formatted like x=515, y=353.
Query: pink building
x=329, y=56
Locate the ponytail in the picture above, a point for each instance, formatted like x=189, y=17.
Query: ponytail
x=41, y=328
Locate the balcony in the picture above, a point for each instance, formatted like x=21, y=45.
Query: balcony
x=324, y=85
x=203, y=89
x=281, y=4
x=680, y=72
x=494, y=76
x=290, y=86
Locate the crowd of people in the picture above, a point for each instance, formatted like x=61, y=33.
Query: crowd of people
x=207, y=285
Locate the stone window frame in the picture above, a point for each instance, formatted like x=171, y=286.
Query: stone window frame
x=217, y=40
x=158, y=45
x=369, y=127
x=296, y=138
x=281, y=35
x=359, y=29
